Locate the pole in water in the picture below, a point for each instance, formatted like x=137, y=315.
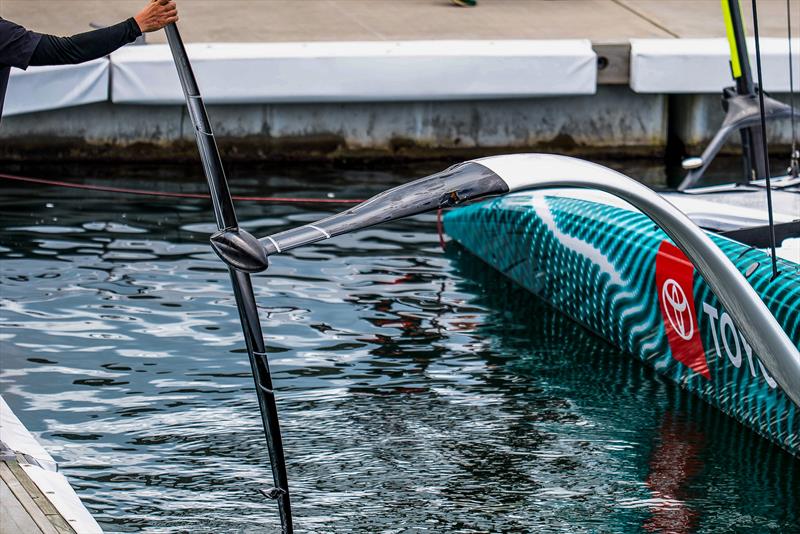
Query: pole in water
x=231, y=238
x=764, y=141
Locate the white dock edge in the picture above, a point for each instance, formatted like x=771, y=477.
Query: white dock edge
x=702, y=65
x=53, y=485
x=230, y=73
x=44, y=88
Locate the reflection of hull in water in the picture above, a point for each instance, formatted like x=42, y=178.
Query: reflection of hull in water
x=675, y=461
x=614, y=271
x=713, y=459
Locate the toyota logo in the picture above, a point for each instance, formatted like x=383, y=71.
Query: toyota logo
x=676, y=307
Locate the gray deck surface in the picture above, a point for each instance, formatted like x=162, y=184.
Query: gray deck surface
x=23, y=507
x=349, y=20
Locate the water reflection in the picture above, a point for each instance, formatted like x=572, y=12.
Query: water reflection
x=674, y=462
x=417, y=390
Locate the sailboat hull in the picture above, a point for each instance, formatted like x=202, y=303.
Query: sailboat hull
x=615, y=272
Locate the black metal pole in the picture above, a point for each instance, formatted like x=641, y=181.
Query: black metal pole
x=242, y=286
x=743, y=75
x=752, y=154
x=764, y=143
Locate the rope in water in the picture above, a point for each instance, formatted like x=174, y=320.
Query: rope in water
x=151, y=193
x=170, y=194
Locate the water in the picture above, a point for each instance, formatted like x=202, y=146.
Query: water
x=418, y=392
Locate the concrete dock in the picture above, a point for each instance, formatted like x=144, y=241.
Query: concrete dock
x=35, y=498
x=402, y=20
x=24, y=507
x=618, y=117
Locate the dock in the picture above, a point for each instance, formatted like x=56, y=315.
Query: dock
x=247, y=21
x=34, y=497
x=405, y=79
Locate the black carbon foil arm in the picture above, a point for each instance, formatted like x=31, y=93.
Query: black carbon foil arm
x=460, y=183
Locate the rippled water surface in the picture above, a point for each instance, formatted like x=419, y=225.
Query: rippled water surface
x=418, y=392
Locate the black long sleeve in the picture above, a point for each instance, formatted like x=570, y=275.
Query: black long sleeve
x=53, y=50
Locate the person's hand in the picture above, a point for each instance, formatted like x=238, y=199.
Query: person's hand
x=156, y=14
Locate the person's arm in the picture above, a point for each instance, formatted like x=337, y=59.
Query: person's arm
x=16, y=45
x=53, y=50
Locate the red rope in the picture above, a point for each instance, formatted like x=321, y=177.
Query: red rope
x=148, y=192
x=440, y=229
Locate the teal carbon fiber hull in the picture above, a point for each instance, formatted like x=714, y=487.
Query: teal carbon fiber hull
x=616, y=273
